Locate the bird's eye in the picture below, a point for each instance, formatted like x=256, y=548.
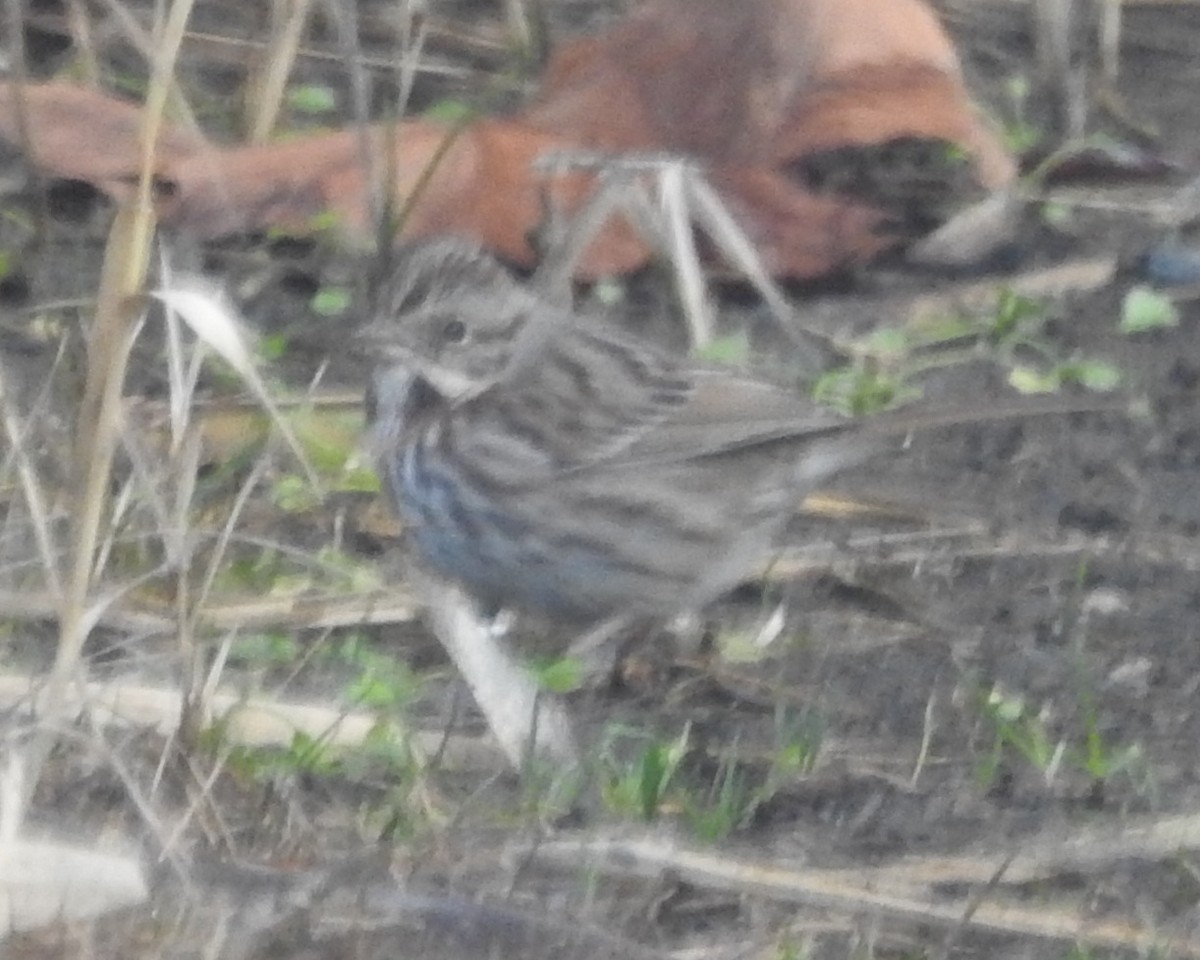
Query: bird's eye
x=454, y=331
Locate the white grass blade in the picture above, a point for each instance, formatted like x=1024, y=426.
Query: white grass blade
x=41, y=882
x=731, y=240
x=256, y=721
x=689, y=278
x=206, y=310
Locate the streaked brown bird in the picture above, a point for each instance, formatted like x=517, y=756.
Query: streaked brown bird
x=550, y=463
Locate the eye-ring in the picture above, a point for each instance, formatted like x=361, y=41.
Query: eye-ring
x=454, y=331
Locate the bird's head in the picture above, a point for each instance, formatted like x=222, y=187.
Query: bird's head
x=452, y=315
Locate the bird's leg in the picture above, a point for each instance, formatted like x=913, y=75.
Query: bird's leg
x=601, y=648
x=526, y=721
x=598, y=648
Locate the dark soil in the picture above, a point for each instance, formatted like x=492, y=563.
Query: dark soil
x=1000, y=660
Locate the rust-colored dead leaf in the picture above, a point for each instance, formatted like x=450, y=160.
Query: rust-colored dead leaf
x=217, y=191
x=762, y=88
x=898, y=101
x=480, y=184
x=486, y=186
x=483, y=184
x=833, y=129
x=765, y=81
x=797, y=233
x=82, y=134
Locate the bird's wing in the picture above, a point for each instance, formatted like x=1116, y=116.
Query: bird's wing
x=590, y=398
x=720, y=412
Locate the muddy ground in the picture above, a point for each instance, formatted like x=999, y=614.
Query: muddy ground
x=976, y=733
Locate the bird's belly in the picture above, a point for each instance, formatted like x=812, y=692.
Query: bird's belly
x=513, y=554
x=583, y=548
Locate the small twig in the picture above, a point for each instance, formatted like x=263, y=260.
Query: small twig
x=288, y=20
x=972, y=906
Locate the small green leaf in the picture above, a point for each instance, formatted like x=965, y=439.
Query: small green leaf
x=857, y=391
x=1145, y=309
x=942, y=328
x=377, y=692
x=327, y=440
x=563, y=675
x=356, y=575
x=265, y=648
x=608, y=292
x=1021, y=137
x=312, y=98
x=739, y=646
x=358, y=480
x=294, y=494
x=290, y=584
x=16, y=218
x=734, y=349
x=1008, y=709
x=1031, y=380
x=1017, y=87
x=324, y=221
x=331, y=301
x=1013, y=311
x=310, y=754
x=1097, y=375
x=1057, y=214
x=449, y=111
x=654, y=778
x=272, y=346
x=889, y=343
